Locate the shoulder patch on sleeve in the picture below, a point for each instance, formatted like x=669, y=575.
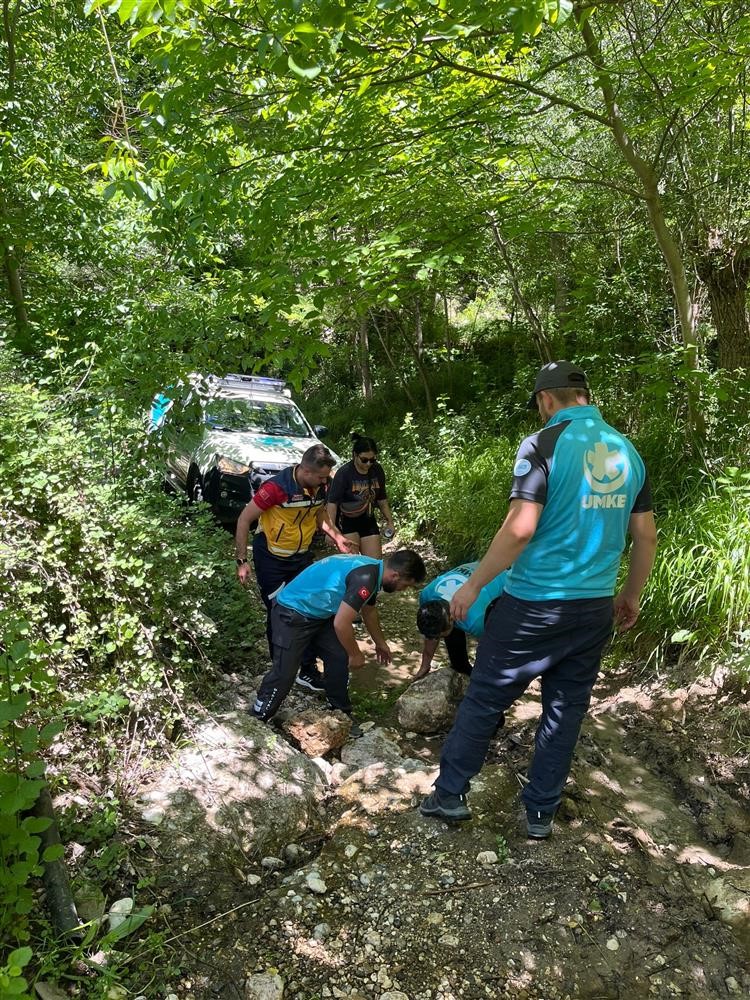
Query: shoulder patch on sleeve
x=522, y=467
x=364, y=593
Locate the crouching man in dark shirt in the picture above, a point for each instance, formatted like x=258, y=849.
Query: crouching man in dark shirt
x=317, y=609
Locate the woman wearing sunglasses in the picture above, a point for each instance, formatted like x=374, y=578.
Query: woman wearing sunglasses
x=357, y=488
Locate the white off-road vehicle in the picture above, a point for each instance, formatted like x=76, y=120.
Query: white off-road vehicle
x=223, y=437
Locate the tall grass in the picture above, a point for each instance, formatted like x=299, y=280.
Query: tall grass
x=699, y=591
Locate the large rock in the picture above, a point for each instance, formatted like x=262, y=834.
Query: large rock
x=264, y=986
x=729, y=896
x=381, y=787
x=318, y=731
x=375, y=747
x=430, y=704
x=378, y=777
x=237, y=793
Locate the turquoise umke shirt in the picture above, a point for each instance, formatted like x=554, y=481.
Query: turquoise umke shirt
x=589, y=479
x=443, y=587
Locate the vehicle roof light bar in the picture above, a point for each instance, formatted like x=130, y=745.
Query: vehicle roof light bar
x=259, y=382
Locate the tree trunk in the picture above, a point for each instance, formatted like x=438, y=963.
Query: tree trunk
x=363, y=352
x=446, y=313
x=562, y=285
x=726, y=274
x=687, y=308
x=60, y=904
x=420, y=370
x=418, y=328
x=543, y=346
x=386, y=350
x=23, y=338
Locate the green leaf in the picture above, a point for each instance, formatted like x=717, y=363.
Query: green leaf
x=682, y=635
x=126, y=8
x=16, y=987
x=354, y=47
x=332, y=15
x=364, y=85
x=564, y=10
x=130, y=924
x=29, y=740
x=149, y=29
x=306, y=72
x=20, y=957
x=51, y=730
x=12, y=710
x=53, y=853
x=36, y=824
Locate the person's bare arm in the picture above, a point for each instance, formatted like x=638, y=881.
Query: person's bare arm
x=642, y=528
x=250, y=513
x=332, y=510
x=429, y=647
x=372, y=624
x=385, y=510
x=514, y=535
x=343, y=624
x=342, y=543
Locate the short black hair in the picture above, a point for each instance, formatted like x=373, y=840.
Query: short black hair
x=360, y=444
x=434, y=618
x=318, y=457
x=407, y=564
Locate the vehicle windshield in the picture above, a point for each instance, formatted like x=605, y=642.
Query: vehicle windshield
x=258, y=416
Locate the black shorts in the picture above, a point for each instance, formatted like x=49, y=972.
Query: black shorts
x=365, y=525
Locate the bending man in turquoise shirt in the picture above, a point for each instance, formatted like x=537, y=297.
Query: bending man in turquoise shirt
x=435, y=622
x=317, y=609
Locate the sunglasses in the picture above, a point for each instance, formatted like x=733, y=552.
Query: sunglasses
x=366, y=461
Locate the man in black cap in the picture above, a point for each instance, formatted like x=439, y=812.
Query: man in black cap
x=579, y=488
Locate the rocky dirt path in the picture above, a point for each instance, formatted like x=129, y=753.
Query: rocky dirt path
x=632, y=896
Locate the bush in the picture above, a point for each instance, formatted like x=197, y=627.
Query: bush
x=117, y=599
x=699, y=592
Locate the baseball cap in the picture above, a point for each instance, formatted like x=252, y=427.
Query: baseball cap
x=558, y=375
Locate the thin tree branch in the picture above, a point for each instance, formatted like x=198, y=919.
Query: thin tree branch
x=529, y=88
x=118, y=80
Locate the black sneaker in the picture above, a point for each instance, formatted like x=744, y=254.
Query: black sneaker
x=538, y=824
x=311, y=683
x=444, y=806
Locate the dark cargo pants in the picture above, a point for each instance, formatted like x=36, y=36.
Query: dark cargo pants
x=293, y=634
x=560, y=642
x=272, y=572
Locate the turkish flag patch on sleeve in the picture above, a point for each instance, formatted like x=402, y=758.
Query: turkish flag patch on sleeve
x=364, y=593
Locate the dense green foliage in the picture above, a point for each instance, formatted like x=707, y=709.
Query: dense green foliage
x=402, y=208
x=117, y=603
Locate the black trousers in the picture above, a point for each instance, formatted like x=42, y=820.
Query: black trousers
x=272, y=572
x=457, y=646
x=458, y=656
x=560, y=642
x=458, y=652
x=293, y=635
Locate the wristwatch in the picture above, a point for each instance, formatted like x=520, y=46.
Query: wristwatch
x=240, y=562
